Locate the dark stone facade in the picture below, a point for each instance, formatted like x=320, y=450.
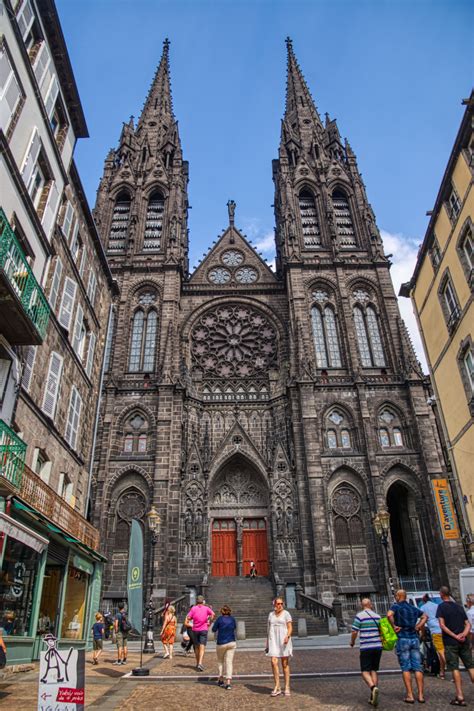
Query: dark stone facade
x=292, y=398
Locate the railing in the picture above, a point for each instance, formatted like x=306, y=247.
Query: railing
x=21, y=278
x=315, y=607
x=40, y=496
x=415, y=583
x=181, y=605
x=12, y=455
x=454, y=317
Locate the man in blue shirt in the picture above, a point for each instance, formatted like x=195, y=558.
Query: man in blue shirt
x=406, y=620
x=430, y=608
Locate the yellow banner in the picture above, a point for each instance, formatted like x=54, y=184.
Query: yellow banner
x=447, y=516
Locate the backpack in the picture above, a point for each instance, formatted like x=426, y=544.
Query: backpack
x=387, y=635
x=125, y=625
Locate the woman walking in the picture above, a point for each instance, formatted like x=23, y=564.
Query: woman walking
x=279, y=645
x=225, y=627
x=168, y=632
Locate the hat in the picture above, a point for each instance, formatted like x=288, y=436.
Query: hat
x=200, y=599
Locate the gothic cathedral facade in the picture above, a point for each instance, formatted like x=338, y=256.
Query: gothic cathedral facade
x=266, y=415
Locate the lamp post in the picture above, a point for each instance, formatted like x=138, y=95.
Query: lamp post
x=154, y=521
x=381, y=523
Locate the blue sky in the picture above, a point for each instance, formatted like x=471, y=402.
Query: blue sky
x=392, y=72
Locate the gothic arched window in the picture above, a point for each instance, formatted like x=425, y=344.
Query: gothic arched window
x=120, y=222
x=367, y=331
x=309, y=220
x=143, y=337
x=136, y=434
x=351, y=550
x=154, y=222
x=326, y=341
x=131, y=505
x=338, y=430
x=343, y=217
x=390, y=430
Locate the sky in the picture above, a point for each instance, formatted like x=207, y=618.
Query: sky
x=393, y=73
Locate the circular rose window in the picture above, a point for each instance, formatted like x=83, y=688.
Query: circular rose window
x=246, y=275
x=219, y=275
x=232, y=258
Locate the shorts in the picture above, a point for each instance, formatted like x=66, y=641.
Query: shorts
x=97, y=644
x=200, y=637
x=370, y=659
x=121, y=638
x=456, y=652
x=438, y=641
x=408, y=653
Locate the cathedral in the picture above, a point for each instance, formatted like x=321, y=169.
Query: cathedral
x=267, y=415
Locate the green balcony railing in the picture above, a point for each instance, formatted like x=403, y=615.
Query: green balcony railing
x=19, y=274
x=12, y=455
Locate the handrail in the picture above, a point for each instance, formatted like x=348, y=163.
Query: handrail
x=315, y=607
x=180, y=604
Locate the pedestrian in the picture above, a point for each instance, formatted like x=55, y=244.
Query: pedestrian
x=253, y=570
x=122, y=628
x=201, y=615
x=367, y=625
x=108, y=623
x=168, y=632
x=279, y=644
x=456, y=628
x=470, y=616
x=225, y=627
x=407, y=620
x=429, y=608
x=98, y=629
x=188, y=639
x=3, y=650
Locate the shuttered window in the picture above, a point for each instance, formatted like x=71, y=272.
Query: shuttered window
x=28, y=367
x=42, y=68
x=68, y=220
x=53, y=294
x=51, y=96
x=67, y=302
x=10, y=92
x=52, y=384
x=82, y=265
x=90, y=353
x=25, y=19
x=51, y=210
x=91, y=287
x=31, y=159
x=79, y=332
x=73, y=418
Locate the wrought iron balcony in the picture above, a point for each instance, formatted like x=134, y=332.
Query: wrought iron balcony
x=12, y=459
x=42, y=498
x=24, y=310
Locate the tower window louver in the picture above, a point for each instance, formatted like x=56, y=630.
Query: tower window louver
x=344, y=224
x=309, y=221
x=120, y=221
x=154, y=222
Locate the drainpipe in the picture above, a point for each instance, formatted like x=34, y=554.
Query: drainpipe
x=99, y=401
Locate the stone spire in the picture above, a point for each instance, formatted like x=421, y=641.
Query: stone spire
x=159, y=104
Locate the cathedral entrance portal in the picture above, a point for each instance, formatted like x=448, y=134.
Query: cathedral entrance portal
x=239, y=520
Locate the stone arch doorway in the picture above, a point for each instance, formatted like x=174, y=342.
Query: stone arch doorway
x=238, y=508
x=407, y=541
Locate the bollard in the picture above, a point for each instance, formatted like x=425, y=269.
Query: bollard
x=302, y=627
x=241, y=629
x=332, y=627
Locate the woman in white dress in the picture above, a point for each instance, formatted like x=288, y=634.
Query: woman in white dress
x=279, y=645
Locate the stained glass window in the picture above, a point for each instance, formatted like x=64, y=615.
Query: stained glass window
x=142, y=440
x=384, y=437
x=374, y=336
x=128, y=443
x=332, y=439
x=150, y=341
x=345, y=439
x=331, y=338
x=362, y=340
x=136, y=344
x=397, y=437
x=318, y=334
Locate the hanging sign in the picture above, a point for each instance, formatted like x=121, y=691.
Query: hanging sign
x=444, y=503
x=62, y=678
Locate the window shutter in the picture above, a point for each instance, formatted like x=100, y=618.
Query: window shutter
x=9, y=90
x=28, y=368
x=67, y=302
x=42, y=63
x=90, y=354
x=53, y=295
x=51, y=97
x=83, y=262
x=52, y=384
x=25, y=19
x=31, y=157
x=91, y=287
x=68, y=219
x=51, y=209
x=74, y=414
x=78, y=327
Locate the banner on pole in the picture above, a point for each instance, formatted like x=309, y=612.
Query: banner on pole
x=135, y=577
x=444, y=503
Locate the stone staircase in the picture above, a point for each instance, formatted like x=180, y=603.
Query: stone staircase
x=251, y=601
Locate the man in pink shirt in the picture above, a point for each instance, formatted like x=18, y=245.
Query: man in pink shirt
x=201, y=616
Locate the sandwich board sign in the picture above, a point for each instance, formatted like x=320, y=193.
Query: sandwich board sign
x=61, y=678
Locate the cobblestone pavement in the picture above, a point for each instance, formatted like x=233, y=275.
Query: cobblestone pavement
x=108, y=690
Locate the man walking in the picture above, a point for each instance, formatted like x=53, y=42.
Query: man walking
x=406, y=620
x=202, y=616
x=122, y=627
x=366, y=625
x=456, y=628
x=430, y=608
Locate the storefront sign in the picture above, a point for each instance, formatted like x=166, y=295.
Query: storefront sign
x=444, y=502
x=83, y=564
x=62, y=678
x=135, y=577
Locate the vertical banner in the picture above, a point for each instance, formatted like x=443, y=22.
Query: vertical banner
x=135, y=577
x=62, y=678
x=446, y=513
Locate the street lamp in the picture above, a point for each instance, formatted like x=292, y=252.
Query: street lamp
x=381, y=523
x=154, y=521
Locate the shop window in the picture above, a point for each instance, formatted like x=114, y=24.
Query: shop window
x=49, y=605
x=74, y=604
x=18, y=574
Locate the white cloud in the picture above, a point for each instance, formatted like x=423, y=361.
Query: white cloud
x=404, y=251
x=266, y=244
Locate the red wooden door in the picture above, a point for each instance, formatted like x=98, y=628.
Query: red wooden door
x=254, y=546
x=224, y=548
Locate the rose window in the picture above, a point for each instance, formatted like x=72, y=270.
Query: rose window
x=234, y=342
x=232, y=258
x=219, y=275
x=246, y=275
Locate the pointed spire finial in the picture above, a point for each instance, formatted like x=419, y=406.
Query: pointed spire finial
x=231, y=205
x=289, y=44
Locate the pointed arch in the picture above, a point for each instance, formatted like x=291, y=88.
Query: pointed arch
x=136, y=341
x=154, y=222
x=118, y=236
x=343, y=217
x=309, y=219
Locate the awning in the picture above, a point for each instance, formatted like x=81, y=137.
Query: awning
x=22, y=533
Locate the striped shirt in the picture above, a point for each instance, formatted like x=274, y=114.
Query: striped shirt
x=366, y=623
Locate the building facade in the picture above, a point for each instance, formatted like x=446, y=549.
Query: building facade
x=56, y=291
x=267, y=416
x=442, y=290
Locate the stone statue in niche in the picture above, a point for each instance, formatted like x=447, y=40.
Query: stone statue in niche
x=279, y=522
x=188, y=524
x=289, y=522
x=198, y=524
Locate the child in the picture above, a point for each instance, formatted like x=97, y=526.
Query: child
x=98, y=635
